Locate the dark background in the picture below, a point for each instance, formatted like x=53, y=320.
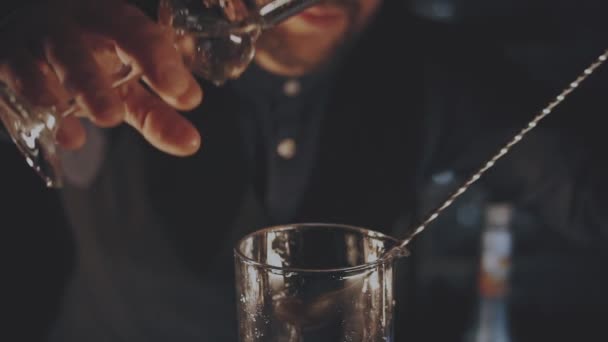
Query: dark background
x=552, y=38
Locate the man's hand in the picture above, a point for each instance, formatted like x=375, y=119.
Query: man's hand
x=70, y=49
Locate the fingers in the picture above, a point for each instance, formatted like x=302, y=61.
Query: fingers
x=63, y=62
x=25, y=77
x=33, y=79
x=151, y=49
x=77, y=70
x=159, y=124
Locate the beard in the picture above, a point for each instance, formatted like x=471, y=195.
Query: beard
x=305, y=51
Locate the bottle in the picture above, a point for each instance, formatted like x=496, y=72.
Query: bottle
x=491, y=321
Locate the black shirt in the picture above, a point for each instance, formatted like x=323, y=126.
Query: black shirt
x=280, y=120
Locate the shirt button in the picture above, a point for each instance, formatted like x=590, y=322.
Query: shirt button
x=292, y=88
x=286, y=149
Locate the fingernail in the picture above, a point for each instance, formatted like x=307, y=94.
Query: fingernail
x=190, y=141
x=195, y=142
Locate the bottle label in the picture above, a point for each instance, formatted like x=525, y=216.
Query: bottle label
x=495, y=263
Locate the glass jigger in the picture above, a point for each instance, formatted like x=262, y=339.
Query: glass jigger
x=315, y=283
x=215, y=37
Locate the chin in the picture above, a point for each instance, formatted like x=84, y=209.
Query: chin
x=312, y=24
x=302, y=43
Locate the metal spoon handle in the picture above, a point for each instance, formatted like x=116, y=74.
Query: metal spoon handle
x=278, y=10
x=504, y=150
